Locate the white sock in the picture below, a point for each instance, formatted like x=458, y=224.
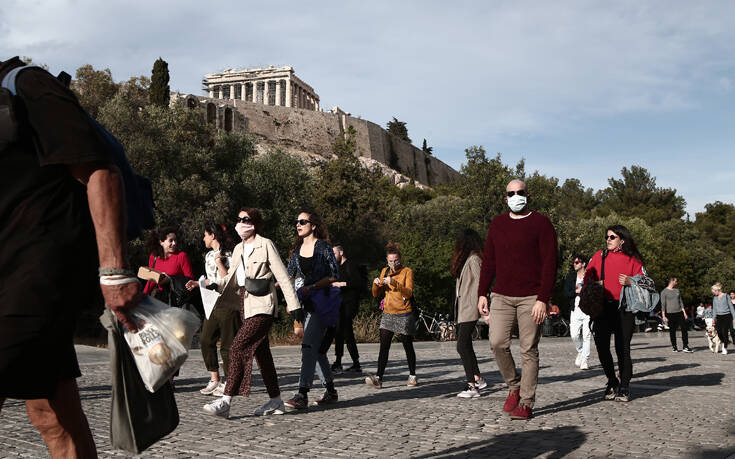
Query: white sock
x=227, y=398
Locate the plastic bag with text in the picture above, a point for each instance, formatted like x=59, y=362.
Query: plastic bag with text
x=160, y=345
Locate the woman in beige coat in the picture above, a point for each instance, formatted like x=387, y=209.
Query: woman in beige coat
x=250, y=283
x=466, y=263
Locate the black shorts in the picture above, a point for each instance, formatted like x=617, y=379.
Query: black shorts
x=36, y=353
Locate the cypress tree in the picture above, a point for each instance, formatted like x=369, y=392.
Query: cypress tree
x=160, y=90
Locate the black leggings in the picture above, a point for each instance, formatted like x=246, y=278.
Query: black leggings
x=676, y=320
x=723, y=324
x=619, y=323
x=385, y=339
x=465, y=350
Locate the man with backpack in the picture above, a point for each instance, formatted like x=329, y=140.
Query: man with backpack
x=352, y=286
x=62, y=215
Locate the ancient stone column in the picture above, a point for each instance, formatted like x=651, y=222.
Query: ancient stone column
x=232, y=91
x=289, y=94
x=255, y=91
x=278, y=92
x=266, y=92
x=211, y=92
x=243, y=91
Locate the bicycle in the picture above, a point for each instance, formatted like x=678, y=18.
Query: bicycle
x=440, y=328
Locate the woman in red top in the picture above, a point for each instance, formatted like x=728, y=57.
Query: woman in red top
x=623, y=260
x=166, y=258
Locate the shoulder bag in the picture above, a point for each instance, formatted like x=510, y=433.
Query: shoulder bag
x=592, y=296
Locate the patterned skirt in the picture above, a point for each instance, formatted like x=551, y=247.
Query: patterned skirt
x=402, y=324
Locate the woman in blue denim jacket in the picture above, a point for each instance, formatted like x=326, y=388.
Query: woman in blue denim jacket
x=313, y=266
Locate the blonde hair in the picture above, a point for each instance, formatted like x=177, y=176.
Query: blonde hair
x=717, y=286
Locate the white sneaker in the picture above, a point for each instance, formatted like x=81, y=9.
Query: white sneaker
x=578, y=361
x=469, y=392
x=220, y=390
x=218, y=408
x=273, y=406
x=584, y=365
x=211, y=386
x=480, y=383
x=724, y=351
x=412, y=381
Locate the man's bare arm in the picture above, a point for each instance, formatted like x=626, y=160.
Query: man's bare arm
x=105, y=195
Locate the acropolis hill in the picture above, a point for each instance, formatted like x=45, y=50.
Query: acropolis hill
x=280, y=109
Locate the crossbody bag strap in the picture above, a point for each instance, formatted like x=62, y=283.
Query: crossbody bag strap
x=602, y=270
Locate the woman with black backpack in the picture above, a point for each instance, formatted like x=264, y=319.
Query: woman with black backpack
x=621, y=260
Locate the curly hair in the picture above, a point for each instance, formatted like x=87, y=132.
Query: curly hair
x=153, y=244
x=393, y=248
x=255, y=216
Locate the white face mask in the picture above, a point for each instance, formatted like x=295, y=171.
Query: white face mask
x=516, y=203
x=244, y=229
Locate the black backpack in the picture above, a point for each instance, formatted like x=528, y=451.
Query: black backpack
x=138, y=189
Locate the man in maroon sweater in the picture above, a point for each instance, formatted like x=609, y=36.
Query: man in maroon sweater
x=520, y=255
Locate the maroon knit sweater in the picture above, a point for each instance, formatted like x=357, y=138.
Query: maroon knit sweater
x=521, y=256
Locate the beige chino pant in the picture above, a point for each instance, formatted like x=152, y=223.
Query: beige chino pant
x=505, y=312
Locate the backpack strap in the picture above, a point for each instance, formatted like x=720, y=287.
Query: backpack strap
x=10, y=78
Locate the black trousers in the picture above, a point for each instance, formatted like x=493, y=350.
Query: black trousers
x=676, y=320
x=346, y=334
x=466, y=351
x=385, y=339
x=723, y=325
x=619, y=323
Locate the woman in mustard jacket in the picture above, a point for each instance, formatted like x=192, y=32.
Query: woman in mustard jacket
x=396, y=283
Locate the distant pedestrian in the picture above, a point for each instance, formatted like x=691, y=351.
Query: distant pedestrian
x=673, y=313
x=250, y=285
x=579, y=322
x=350, y=284
x=223, y=322
x=396, y=285
x=520, y=255
x=622, y=261
x=724, y=312
x=465, y=266
x=314, y=268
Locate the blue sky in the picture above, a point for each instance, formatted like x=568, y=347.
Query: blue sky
x=577, y=88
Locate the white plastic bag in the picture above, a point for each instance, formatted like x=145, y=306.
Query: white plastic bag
x=160, y=345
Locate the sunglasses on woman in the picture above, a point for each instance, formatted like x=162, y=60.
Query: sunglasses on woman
x=512, y=193
x=244, y=219
x=302, y=222
x=611, y=237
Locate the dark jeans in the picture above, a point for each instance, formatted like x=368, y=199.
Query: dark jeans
x=346, y=334
x=385, y=340
x=620, y=324
x=465, y=350
x=723, y=325
x=222, y=325
x=676, y=320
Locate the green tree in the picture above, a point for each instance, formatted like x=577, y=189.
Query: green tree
x=160, y=92
x=717, y=223
x=398, y=129
x=636, y=194
x=427, y=149
x=93, y=88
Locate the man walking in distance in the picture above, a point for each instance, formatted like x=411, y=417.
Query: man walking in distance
x=60, y=194
x=579, y=322
x=672, y=310
x=520, y=254
x=349, y=284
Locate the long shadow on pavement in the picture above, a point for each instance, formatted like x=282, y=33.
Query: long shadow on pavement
x=554, y=443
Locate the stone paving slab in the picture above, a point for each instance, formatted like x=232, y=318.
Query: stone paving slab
x=683, y=405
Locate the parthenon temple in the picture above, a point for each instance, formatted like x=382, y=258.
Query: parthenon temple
x=271, y=86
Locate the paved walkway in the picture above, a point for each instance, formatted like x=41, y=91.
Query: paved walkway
x=683, y=406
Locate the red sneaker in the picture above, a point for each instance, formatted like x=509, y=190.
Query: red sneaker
x=514, y=396
x=522, y=412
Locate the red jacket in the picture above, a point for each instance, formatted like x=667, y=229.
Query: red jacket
x=616, y=263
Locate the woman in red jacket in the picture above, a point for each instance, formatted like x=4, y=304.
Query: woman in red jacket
x=622, y=261
x=166, y=258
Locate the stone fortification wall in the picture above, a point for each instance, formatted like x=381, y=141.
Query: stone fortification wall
x=314, y=132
